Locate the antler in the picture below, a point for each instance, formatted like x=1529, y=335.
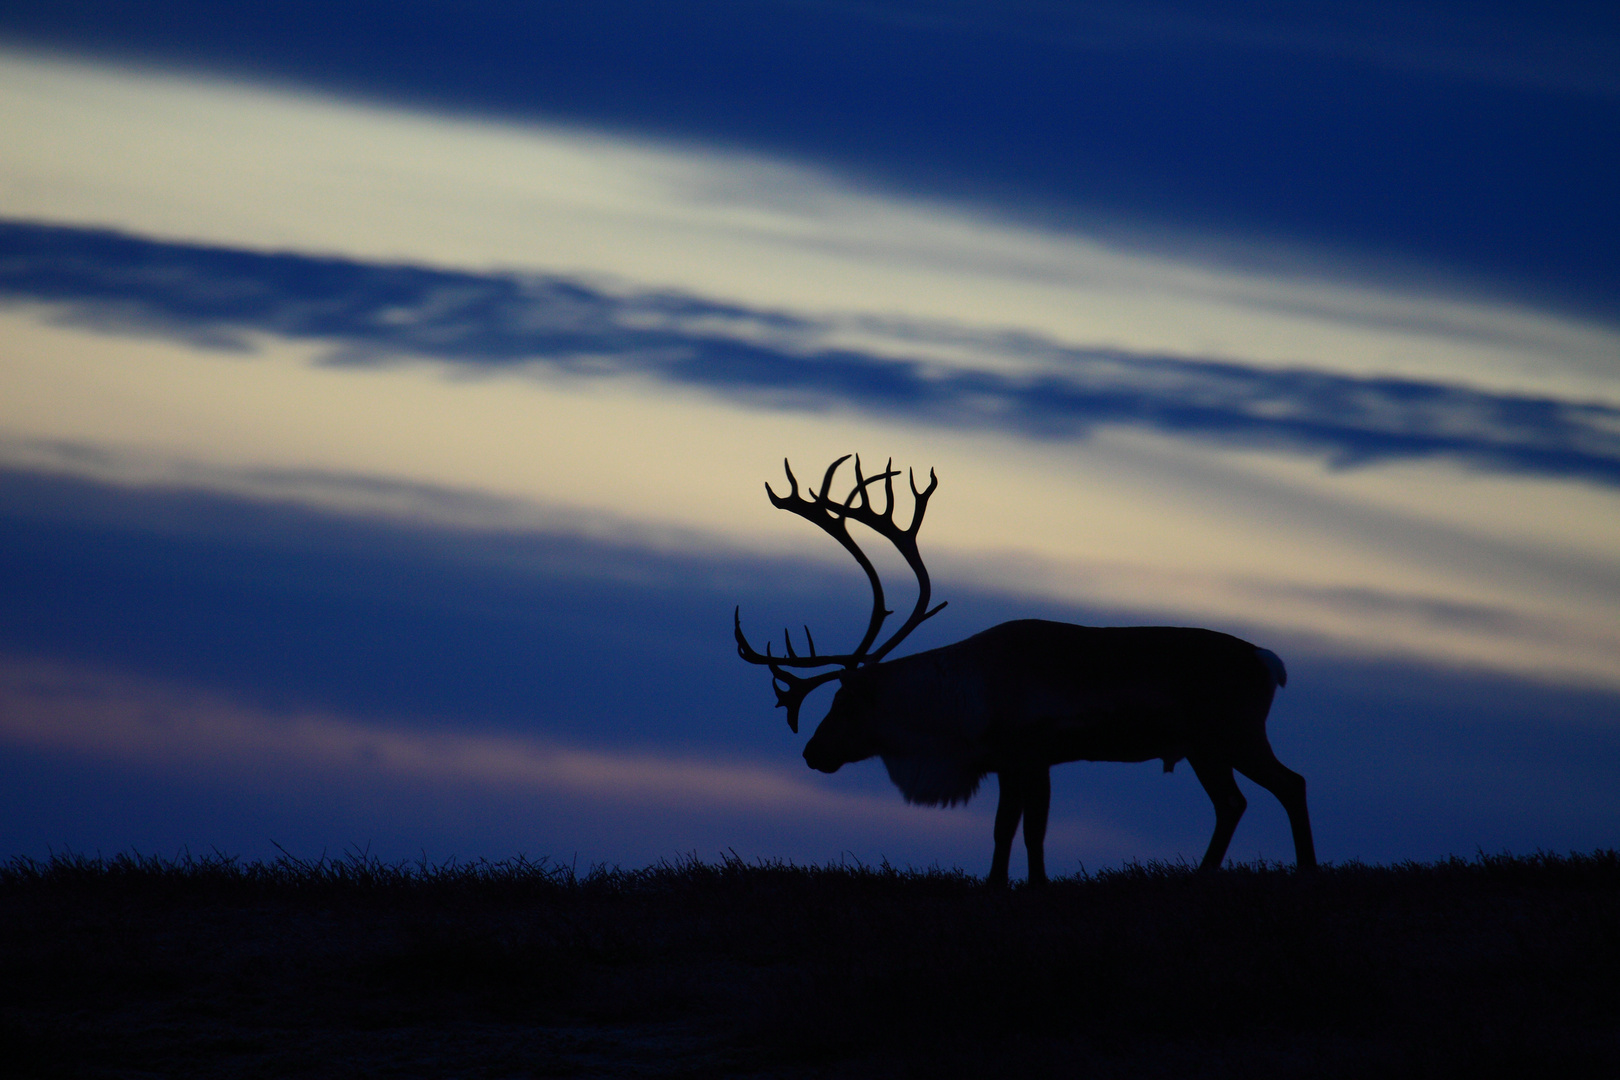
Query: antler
x=791, y=689
x=833, y=518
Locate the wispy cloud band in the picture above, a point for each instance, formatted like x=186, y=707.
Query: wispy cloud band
x=375, y=314
x=65, y=707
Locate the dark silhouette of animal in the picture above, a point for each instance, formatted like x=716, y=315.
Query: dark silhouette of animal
x=1026, y=695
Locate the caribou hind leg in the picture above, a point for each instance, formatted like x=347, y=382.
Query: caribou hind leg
x=1229, y=806
x=1263, y=768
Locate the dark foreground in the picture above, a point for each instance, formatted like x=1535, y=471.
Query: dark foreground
x=135, y=967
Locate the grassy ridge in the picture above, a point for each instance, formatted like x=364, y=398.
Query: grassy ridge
x=136, y=966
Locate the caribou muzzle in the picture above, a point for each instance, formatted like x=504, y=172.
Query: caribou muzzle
x=828, y=752
x=820, y=760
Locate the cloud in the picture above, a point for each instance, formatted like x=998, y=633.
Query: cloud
x=1451, y=134
x=221, y=770
x=377, y=313
x=1564, y=51
x=285, y=589
x=56, y=706
x=243, y=167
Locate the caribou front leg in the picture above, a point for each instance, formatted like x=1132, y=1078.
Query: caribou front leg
x=1027, y=794
x=1008, y=810
x=1037, y=801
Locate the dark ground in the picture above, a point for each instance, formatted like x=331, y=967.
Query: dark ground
x=134, y=967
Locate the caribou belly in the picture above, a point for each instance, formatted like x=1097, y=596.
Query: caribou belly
x=1121, y=730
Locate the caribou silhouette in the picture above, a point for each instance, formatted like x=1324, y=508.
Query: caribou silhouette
x=1026, y=695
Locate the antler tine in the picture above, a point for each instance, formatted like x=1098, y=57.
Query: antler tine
x=860, y=489
x=788, y=501
x=826, y=481
x=920, y=497
x=754, y=656
x=889, y=473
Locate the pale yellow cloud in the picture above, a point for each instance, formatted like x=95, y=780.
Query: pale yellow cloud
x=1510, y=573
x=183, y=157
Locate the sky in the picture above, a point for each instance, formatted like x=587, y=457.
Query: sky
x=387, y=394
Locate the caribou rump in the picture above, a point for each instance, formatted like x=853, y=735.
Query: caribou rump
x=1023, y=696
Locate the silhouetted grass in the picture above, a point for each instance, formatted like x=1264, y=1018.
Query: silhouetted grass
x=136, y=966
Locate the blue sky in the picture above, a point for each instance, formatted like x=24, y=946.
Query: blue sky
x=386, y=393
